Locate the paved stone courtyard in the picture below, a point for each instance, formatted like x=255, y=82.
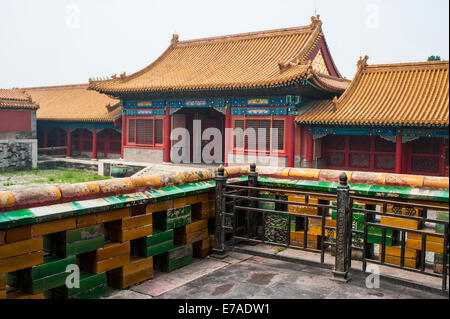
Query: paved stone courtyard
x=244, y=276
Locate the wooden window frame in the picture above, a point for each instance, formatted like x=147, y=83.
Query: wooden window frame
x=347, y=152
x=440, y=171
x=247, y=151
x=143, y=145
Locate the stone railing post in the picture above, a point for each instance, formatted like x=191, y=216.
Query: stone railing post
x=219, y=234
x=340, y=272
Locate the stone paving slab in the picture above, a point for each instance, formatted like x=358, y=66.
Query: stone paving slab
x=311, y=258
x=243, y=276
x=265, y=278
x=164, y=282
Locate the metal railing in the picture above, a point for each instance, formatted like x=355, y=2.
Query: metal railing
x=257, y=214
x=407, y=220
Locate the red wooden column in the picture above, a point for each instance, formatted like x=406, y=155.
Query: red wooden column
x=290, y=140
x=80, y=141
x=228, y=135
x=124, y=135
x=68, y=143
x=310, y=150
x=94, y=144
x=304, y=146
x=45, y=140
x=398, y=154
x=106, y=142
x=167, y=136
x=297, y=145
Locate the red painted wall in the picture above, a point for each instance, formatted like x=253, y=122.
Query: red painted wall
x=15, y=121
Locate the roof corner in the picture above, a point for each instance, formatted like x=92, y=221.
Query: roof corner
x=362, y=63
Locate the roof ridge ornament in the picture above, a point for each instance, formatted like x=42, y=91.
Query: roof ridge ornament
x=334, y=104
x=174, y=40
x=286, y=65
x=123, y=75
x=315, y=20
x=362, y=62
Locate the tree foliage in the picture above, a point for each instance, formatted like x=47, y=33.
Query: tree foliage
x=434, y=58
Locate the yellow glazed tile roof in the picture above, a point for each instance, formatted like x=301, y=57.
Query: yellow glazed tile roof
x=249, y=60
x=389, y=94
x=74, y=103
x=16, y=99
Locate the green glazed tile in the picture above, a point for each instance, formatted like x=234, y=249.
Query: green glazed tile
x=87, y=282
x=179, y=251
x=439, y=258
x=82, y=246
x=171, y=265
x=374, y=230
x=155, y=238
x=178, y=217
x=374, y=239
x=85, y=233
x=154, y=249
x=16, y=218
x=47, y=283
x=93, y=293
x=356, y=217
x=52, y=265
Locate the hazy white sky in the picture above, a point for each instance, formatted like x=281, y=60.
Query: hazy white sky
x=54, y=42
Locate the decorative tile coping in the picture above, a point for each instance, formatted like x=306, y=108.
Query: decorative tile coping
x=59, y=194
x=77, y=208
x=389, y=192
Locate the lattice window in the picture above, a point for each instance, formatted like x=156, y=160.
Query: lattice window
x=335, y=159
x=239, y=142
x=382, y=145
x=425, y=155
x=385, y=162
x=425, y=164
x=360, y=143
x=262, y=134
x=131, y=131
x=334, y=142
x=158, y=131
x=144, y=131
x=426, y=146
x=279, y=144
x=359, y=160
x=259, y=132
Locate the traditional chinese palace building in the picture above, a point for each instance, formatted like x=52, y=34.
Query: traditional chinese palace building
x=389, y=118
x=18, y=143
x=254, y=80
x=392, y=118
x=89, y=122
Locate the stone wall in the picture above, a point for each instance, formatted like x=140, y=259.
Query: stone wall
x=18, y=154
x=260, y=160
x=87, y=165
x=143, y=155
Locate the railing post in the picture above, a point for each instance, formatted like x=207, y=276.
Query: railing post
x=340, y=272
x=219, y=234
x=252, y=182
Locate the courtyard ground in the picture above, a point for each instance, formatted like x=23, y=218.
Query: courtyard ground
x=246, y=276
